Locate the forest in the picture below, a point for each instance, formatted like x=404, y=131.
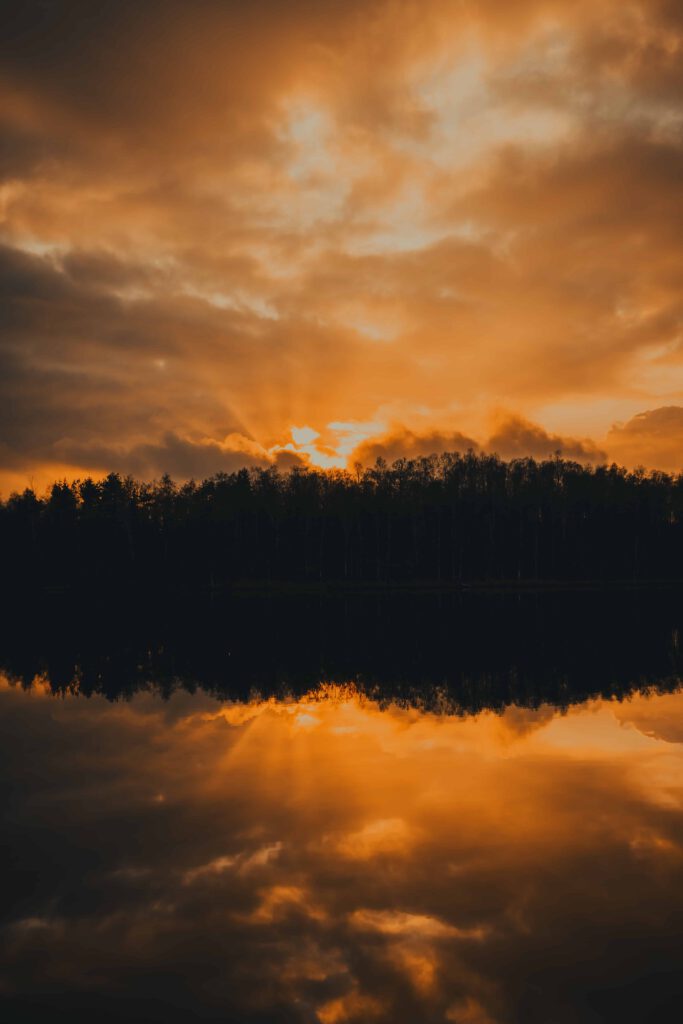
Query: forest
x=451, y=520
x=456, y=650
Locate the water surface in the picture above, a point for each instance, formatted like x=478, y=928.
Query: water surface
x=328, y=857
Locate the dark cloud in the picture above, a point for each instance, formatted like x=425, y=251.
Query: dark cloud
x=404, y=444
x=517, y=438
x=514, y=438
x=90, y=376
x=182, y=458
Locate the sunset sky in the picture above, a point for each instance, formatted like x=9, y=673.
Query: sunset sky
x=233, y=233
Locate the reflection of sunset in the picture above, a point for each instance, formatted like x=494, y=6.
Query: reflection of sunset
x=394, y=862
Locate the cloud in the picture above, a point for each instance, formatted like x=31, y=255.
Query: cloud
x=109, y=376
x=652, y=438
x=517, y=438
x=180, y=457
x=226, y=218
x=513, y=438
x=402, y=443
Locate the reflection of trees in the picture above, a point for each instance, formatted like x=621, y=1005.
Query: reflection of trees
x=442, y=651
x=463, y=696
x=448, y=519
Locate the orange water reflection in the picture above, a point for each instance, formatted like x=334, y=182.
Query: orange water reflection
x=325, y=860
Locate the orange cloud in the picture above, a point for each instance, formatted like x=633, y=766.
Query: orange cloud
x=513, y=438
x=652, y=438
x=318, y=214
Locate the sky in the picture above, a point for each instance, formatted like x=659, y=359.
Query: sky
x=318, y=232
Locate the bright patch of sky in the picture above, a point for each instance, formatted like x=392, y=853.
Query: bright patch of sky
x=238, y=301
x=595, y=417
x=372, y=329
x=332, y=448
x=657, y=376
x=313, y=167
x=38, y=247
x=471, y=115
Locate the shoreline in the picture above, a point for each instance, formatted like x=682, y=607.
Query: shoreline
x=333, y=588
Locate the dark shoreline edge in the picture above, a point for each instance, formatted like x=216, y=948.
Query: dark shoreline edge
x=340, y=588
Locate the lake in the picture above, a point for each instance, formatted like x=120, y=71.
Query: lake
x=441, y=808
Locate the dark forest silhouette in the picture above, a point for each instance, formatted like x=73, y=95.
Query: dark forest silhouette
x=449, y=519
x=445, y=651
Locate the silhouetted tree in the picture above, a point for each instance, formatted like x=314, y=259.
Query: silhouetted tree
x=450, y=519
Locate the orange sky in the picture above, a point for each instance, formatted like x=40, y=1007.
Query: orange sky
x=232, y=233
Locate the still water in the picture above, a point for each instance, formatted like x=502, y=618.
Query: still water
x=338, y=855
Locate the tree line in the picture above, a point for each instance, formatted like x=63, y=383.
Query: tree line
x=451, y=519
x=457, y=650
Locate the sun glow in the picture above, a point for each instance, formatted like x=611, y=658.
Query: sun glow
x=333, y=448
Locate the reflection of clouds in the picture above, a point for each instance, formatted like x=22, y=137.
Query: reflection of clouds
x=413, y=926
x=32, y=924
x=280, y=901
x=243, y=863
x=468, y=1011
x=649, y=843
x=389, y=865
x=352, y=1006
x=660, y=719
x=214, y=867
x=521, y=721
